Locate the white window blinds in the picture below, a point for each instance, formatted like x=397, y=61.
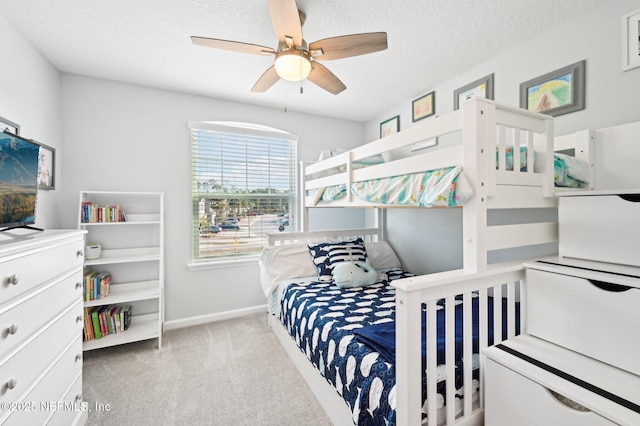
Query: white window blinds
x=243, y=186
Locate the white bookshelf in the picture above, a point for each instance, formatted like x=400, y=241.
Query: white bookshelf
x=133, y=253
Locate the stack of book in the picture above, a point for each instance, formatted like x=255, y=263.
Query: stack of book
x=97, y=285
x=103, y=320
x=93, y=213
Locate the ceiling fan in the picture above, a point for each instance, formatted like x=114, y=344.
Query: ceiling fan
x=294, y=59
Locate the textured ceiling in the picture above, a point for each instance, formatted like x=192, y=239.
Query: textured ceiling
x=147, y=42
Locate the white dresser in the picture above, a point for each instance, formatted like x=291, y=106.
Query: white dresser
x=578, y=362
x=41, y=325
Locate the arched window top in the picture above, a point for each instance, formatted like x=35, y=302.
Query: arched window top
x=242, y=127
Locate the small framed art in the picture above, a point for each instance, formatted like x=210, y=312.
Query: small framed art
x=390, y=126
x=557, y=92
x=631, y=40
x=482, y=88
x=9, y=126
x=424, y=106
x=46, y=167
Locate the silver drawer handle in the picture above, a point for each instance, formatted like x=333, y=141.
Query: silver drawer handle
x=78, y=357
x=79, y=318
x=78, y=285
x=79, y=253
x=78, y=397
x=13, y=328
x=14, y=279
x=570, y=403
x=12, y=383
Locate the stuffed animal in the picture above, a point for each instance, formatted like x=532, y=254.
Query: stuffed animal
x=354, y=274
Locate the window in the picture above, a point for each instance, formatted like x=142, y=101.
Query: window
x=243, y=186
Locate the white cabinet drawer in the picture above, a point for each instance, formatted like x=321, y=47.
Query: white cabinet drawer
x=23, y=365
x=512, y=399
x=18, y=320
x=603, y=228
x=48, y=395
x=529, y=381
x=24, y=273
x=72, y=398
x=595, y=318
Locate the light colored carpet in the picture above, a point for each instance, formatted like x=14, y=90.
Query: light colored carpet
x=225, y=373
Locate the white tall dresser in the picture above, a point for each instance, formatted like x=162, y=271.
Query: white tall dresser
x=41, y=327
x=578, y=362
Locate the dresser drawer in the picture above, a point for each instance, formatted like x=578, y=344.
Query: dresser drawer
x=512, y=399
x=603, y=228
x=48, y=395
x=17, y=319
x=24, y=364
x=72, y=398
x=24, y=273
x=598, y=318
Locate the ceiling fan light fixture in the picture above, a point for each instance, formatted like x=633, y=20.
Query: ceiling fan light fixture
x=293, y=65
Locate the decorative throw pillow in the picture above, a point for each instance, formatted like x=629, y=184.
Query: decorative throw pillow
x=382, y=255
x=326, y=255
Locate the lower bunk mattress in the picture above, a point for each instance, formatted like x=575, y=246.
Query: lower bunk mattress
x=349, y=336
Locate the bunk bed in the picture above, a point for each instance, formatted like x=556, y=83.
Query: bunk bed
x=429, y=312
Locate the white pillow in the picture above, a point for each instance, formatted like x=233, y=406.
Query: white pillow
x=382, y=255
x=279, y=263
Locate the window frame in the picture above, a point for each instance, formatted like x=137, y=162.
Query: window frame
x=250, y=130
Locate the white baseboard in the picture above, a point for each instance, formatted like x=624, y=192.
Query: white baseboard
x=219, y=316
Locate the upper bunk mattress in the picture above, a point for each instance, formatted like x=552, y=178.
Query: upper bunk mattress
x=446, y=187
x=434, y=188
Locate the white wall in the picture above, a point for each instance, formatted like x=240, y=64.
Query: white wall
x=121, y=137
x=30, y=97
x=612, y=98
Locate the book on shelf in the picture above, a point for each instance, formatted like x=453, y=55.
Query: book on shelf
x=101, y=321
x=94, y=213
x=97, y=285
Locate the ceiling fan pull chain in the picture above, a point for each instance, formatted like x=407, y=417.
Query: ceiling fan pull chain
x=301, y=91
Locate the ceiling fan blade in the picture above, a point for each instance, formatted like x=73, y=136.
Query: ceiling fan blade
x=286, y=20
x=324, y=78
x=234, y=46
x=268, y=79
x=348, y=45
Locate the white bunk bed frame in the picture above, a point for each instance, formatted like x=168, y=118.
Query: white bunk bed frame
x=484, y=124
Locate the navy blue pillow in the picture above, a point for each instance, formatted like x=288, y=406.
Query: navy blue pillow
x=326, y=255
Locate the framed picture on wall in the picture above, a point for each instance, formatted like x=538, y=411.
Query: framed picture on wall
x=424, y=106
x=631, y=40
x=557, y=92
x=46, y=167
x=390, y=126
x=482, y=88
x=9, y=126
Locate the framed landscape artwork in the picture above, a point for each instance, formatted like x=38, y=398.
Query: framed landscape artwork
x=557, y=92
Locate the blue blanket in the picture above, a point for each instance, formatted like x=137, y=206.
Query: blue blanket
x=322, y=318
x=382, y=337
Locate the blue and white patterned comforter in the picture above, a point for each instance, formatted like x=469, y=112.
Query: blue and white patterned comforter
x=321, y=318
